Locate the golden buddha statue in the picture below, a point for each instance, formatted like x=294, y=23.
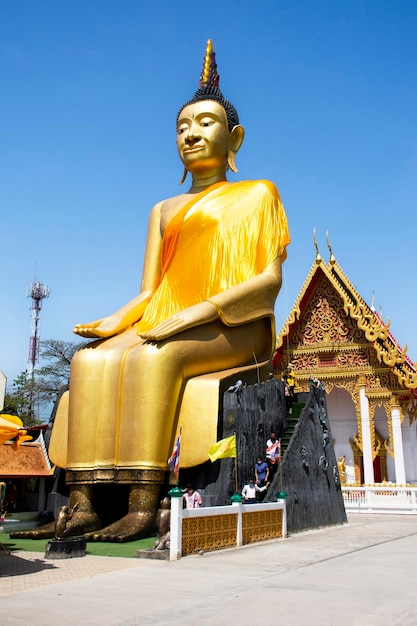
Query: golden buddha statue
x=211, y=275
x=341, y=466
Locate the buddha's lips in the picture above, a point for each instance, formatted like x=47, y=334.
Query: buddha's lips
x=193, y=149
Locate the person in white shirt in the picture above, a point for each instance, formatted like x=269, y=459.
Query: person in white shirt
x=250, y=490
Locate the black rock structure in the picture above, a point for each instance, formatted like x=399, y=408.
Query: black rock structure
x=308, y=472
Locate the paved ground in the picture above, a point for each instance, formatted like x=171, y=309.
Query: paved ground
x=360, y=574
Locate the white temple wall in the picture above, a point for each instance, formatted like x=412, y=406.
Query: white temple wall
x=381, y=426
x=343, y=424
x=409, y=434
x=381, y=422
x=391, y=469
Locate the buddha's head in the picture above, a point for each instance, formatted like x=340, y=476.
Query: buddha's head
x=208, y=130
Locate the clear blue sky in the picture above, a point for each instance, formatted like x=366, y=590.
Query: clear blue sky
x=327, y=93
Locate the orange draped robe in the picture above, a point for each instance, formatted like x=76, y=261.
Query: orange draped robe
x=119, y=417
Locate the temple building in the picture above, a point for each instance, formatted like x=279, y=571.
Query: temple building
x=24, y=473
x=331, y=335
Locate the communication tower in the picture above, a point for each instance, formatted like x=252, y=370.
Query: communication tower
x=37, y=292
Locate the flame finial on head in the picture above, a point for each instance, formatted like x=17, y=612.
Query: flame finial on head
x=209, y=75
x=208, y=88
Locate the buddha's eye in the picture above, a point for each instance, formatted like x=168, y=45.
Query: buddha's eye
x=207, y=122
x=181, y=129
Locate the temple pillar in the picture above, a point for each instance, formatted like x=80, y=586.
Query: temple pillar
x=368, y=467
x=397, y=441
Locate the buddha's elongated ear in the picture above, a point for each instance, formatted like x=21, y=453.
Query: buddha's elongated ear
x=237, y=135
x=184, y=176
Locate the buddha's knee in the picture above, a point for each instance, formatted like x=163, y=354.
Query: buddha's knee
x=151, y=357
x=84, y=358
x=94, y=356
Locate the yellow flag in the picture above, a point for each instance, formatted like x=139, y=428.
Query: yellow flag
x=223, y=449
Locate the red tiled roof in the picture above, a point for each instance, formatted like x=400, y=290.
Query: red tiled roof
x=29, y=461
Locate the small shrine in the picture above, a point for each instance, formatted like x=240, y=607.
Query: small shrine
x=333, y=336
x=24, y=472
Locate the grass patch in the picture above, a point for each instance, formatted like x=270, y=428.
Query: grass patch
x=96, y=548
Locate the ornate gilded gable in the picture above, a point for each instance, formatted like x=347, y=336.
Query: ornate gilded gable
x=331, y=333
x=324, y=322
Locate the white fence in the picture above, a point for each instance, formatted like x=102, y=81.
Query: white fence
x=380, y=499
x=217, y=527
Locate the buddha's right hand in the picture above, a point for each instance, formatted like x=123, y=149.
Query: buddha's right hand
x=105, y=327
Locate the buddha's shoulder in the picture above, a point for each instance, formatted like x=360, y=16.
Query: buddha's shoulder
x=169, y=204
x=266, y=187
x=166, y=209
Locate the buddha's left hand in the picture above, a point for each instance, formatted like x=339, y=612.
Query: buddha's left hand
x=196, y=315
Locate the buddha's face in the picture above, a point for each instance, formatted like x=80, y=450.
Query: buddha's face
x=203, y=136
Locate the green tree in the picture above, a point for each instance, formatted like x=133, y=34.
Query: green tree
x=18, y=400
x=46, y=386
x=52, y=377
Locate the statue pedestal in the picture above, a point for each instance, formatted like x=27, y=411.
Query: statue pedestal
x=65, y=548
x=159, y=555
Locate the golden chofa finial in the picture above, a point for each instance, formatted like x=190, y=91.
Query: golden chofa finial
x=332, y=259
x=373, y=302
x=318, y=257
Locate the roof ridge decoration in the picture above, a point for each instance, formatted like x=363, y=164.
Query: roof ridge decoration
x=376, y=332
x=295, y=312
x=365, y=321
x=332, y=259
x=318, y=256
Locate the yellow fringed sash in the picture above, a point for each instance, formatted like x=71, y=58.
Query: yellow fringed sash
x=173, y=229
x=222, y=237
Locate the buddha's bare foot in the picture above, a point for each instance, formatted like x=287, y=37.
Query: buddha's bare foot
x=132, y=526
x=47, y=531
x=80, y=523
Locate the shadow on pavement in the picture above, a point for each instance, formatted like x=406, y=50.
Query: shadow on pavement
x=12, y=565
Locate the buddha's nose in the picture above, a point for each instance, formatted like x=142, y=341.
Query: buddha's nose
x=192, y=137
